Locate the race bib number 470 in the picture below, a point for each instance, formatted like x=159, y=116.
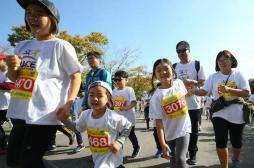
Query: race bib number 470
x=98, y=140
x=175, y=106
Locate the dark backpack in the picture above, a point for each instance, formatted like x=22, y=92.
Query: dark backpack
x=197, y=66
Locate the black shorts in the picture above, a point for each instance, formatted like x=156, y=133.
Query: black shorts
x=222, y=128
x=3, y=116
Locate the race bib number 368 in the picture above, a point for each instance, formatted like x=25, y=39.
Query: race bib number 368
x=98, y=140
x=175, y=105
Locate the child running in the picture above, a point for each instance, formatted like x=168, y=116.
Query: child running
x=168, y=107
x=124, y=103
x=106, y=129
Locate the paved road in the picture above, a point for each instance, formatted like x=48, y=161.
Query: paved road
x=63, y=157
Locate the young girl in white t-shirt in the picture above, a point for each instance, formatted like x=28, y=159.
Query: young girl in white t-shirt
x=106, y=129
x=168, y=107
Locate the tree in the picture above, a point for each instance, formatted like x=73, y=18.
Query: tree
x=139, y=80
x=19, y=34
x=92, y=42
x=123, y=59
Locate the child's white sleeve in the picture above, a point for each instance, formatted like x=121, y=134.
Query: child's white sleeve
x=155, y=109
x=124, y=127
x=132, y=95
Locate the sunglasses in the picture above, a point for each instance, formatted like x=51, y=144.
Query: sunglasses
x=181, y=51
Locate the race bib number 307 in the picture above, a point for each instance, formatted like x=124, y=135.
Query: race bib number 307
x=175, y=105
x=98, y=140
x=119, y=101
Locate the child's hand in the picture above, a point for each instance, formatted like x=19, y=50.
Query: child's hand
x=166, y=151
x=124, y=109
x=115, y=147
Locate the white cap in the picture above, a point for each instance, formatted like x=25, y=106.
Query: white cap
x=103, y=84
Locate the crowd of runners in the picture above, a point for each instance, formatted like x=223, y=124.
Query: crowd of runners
x=41, y=92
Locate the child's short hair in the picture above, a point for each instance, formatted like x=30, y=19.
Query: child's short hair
x=94, y=53
x=121, y=73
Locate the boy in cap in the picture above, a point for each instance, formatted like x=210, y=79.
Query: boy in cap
x=106, y=129
x=193, y=76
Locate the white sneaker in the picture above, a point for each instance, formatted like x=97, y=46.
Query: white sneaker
x=79, y=148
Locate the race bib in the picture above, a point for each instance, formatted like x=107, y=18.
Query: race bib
x=98, y=140
x=119, y=102
x=175, y=105
x=230, y=84
x=26, y=77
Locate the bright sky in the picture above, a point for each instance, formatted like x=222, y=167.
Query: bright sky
x=155, y=26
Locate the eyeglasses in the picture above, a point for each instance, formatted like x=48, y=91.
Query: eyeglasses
x=223, y=59
x=35, y=14
x=181, y=50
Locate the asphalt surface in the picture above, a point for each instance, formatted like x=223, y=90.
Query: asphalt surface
x=64, y=157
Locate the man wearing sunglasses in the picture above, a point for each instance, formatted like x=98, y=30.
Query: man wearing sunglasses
x=193, y=76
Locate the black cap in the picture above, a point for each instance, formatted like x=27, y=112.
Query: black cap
x=45, y=3
x=183, y=43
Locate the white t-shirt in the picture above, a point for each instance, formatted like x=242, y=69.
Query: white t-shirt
x=188, y=71
x=123, y=98
x=232, y=113
x=43, y=80
x=102, y=132
x=4, y=94
x=170, y=106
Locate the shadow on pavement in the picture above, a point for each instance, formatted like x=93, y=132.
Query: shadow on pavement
x=86, y=162
x=128, y=159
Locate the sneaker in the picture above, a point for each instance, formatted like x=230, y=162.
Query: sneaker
x=235, y=164
x=79, y=148
x=158, y=153
x=135, y=152
x=191, y=162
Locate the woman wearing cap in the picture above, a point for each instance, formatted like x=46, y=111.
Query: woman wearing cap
x=231, y=84
x=47, y=77
x=106, y=129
